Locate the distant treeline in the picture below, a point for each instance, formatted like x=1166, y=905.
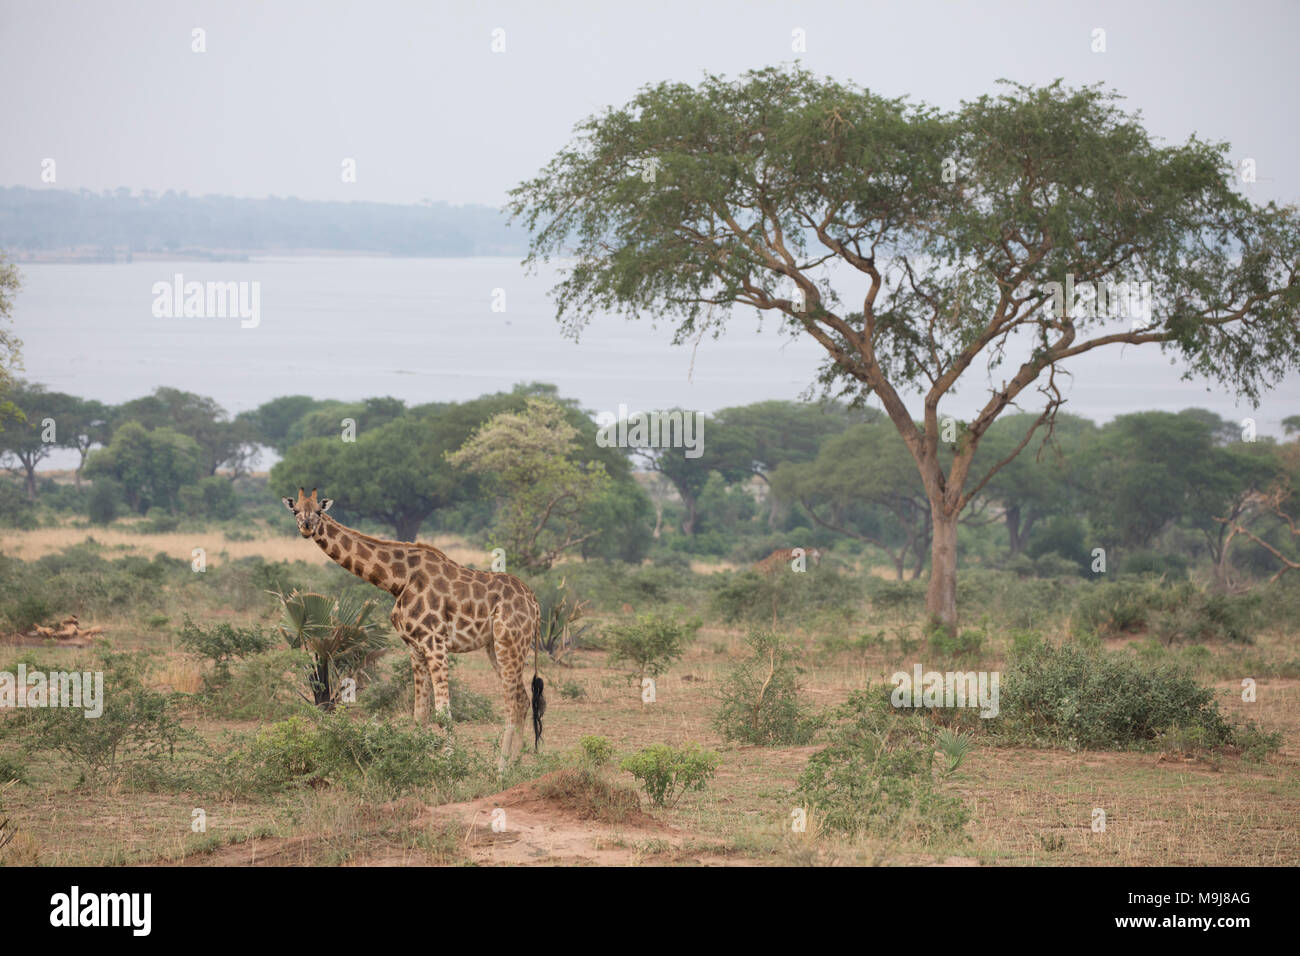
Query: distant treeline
x=1155, y=491
x=113, y=223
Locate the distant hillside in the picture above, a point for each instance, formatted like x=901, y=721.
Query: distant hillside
x=60, y=224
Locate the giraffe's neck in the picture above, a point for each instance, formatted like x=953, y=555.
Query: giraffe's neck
x=385, y=564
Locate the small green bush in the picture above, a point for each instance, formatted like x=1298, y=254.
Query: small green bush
x=596, y=751
x=137, y=725
x=650, y=645
x=947, y=643
x=222, y=644
x=666, y=772
x=875, y=776
x=336, y=747
x=759, y=700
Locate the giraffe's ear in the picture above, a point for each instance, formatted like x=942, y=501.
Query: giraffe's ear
x=325, y=504
x=288, y=503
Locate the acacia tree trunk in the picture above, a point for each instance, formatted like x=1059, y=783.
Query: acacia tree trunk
x=407, y=526
x=1013, y=529
x=941, y=595
x=688, y=522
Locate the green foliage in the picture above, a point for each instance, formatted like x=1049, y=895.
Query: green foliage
x=560, y=611
x=221, y=644
x=875, y=775
x=12, y=770
x=526, y=459
x=1097, y=701
x=949, y=644
x=666, y=772
x=339, y=748
x=956, y=746
x=572, y=690
x=342, y=635
x=138, y=726
x=759, y=699
x=212, y=498
x=15, y=510
x=649, y=645
x=749, y=597
x=266, y=686
x=27, y=610
x=106, y=498
x=151, y=466
x=596, y=751
x=1178, y=611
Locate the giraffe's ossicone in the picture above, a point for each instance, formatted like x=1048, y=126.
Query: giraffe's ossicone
x=441, y=608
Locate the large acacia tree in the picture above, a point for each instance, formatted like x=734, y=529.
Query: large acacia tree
x=945, y=230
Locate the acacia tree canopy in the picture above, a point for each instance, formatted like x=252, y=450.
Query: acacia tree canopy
x=951, y=228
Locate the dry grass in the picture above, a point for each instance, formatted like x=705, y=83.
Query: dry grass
x=270, y=546
x=1028, y=806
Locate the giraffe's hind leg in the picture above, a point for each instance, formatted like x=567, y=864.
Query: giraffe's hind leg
x=420, y=668
x=508, y=653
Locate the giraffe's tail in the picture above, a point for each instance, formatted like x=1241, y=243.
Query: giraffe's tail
x=539, y=700
x=539, y=709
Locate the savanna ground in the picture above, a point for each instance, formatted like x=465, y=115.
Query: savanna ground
x=1029, y=803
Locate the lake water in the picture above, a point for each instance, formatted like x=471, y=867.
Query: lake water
x=425, y=330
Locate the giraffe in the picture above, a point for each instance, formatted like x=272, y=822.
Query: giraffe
x=777, y=561
x=781, y=556
x=442, y=607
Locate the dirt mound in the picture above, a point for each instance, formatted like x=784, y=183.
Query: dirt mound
x=578, y=796
x=568, y=818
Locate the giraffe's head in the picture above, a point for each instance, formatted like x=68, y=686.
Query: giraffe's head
x=308, y=511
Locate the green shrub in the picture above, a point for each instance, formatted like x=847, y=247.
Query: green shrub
x=1064, y=695
x=759, y=700
x=12, y=769
x=137, y=725
x=221, y=644
x=747, y=596
x=336, y=747
x=28, y=610
x=1173, y=567
x=15, y=510
x=572, y=690
x=344, y=636
x=947, y=643
x=107, y=500
x=650, y=645
x=666, y=772
x=896, y=596
x=1179, y=611
x=596, y=751
x=212, y=497
x=875, y=775
x=265, y=686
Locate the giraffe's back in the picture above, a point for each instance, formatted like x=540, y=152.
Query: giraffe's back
x=467, y=601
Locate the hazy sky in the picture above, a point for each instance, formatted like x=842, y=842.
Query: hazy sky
x=414, y=93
